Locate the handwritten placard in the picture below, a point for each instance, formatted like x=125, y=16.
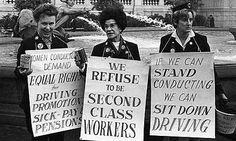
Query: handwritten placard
x=182, y=95
x=114, y=101
x=56, y=90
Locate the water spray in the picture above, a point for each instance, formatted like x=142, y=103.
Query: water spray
x=92, y=23
x=156, y=23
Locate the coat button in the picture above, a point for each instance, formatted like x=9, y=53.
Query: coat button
x=172, y=50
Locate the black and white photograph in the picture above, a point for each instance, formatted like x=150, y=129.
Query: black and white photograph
x=117, y=70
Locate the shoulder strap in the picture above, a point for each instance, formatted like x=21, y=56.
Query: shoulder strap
x=198, y=48
x=166, y=44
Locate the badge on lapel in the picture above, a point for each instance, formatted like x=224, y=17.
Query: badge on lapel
x=36, y=37
x=172, y=50
x=123, y=47
x=108, y=50
x=40, y=45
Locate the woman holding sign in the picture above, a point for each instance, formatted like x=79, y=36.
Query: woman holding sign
x=113, y=22
x=45, y=17
x=184, y=39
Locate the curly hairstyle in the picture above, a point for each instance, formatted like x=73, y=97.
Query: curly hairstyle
x=45, y=9
x=113, y=13
x=179, y=14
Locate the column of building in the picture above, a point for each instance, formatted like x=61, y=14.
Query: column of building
x=144, y=7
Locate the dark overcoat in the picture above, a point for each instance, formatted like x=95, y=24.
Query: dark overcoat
x=33, y=43
x=127, y=50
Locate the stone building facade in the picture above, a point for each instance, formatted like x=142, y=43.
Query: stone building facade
x=140, y=7
x=7, y=6
x=224, y=11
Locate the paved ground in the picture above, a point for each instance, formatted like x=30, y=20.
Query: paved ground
x=13, y=133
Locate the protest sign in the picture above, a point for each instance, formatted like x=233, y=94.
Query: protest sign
x=114, y=100
x=56, y=90
x=182, y=95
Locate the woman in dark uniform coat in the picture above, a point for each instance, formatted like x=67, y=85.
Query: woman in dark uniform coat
x=184, y=39
x=197, y=43
x=113, y=22
x=45, y=17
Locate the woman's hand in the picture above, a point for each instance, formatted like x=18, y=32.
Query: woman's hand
x=24, y=71
x=78, y=63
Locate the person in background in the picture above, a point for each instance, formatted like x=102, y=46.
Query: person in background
x=66, y=12
x=45, y=17
x=212, y=21
x=184, y=39
x=26, y=25
x=208, y=21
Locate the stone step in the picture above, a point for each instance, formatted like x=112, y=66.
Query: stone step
x=10, y=86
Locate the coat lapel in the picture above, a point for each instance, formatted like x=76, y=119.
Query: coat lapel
x=123, y=51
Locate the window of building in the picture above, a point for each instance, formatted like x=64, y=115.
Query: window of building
x=126, y=2
x=10, y=1
x=150, y=2
x=93, y=1
x=79, y=1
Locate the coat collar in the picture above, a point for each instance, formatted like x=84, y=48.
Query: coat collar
x=174, y=35
x=122, y=44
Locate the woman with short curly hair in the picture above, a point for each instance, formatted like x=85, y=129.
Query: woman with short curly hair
x=113, y=22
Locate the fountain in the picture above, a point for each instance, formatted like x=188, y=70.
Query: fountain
x=149, y=42
x=144, y=43
x=92, y=23
x=155, y=23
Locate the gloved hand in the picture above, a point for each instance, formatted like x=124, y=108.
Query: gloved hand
x=24, y=71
